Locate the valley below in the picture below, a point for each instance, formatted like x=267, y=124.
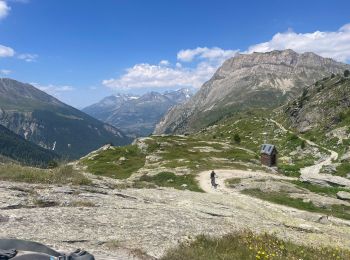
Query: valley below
x=169, y=200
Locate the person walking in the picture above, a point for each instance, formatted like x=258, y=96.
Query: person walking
x=212, y=179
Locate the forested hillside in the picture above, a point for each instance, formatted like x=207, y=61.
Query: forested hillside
x=17, y=148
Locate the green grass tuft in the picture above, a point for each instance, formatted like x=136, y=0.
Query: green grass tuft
x=332, y=191
x=62, y=175
x=118, y=162
x=169, y=179
x=339, y=211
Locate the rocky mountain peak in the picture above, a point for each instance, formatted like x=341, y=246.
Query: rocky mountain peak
x=247, y=81
x=14, y=91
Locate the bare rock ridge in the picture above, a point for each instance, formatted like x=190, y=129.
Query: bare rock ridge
x=248, y=81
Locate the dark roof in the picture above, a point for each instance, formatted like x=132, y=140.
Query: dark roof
x=267, y=149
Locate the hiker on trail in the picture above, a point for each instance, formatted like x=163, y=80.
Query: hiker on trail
x=212, y=178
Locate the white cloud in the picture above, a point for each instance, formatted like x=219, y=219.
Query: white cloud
x=163, y=75
x=5, y=72
x=6, y=51
x=28, y=57
x=4, y=9
x=215, y=53
x=53, y=90
x=199, y=64
x=334, y=45
x=164, y=63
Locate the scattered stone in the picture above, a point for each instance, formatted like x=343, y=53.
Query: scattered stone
x=306, y=200
x=65, y=190
x=345, y=156
x=184, y=186
x=4, y=219
x=343, y=195
x=15, y=205
x=329, y=169
x=44, y=202
x=323, y=220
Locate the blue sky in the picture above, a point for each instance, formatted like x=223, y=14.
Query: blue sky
x=81, y=51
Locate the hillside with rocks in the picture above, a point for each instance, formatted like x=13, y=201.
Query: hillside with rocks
x=165, y=179
x=137, y=115
x=51, y=124
x=248, y=81
x=303, y=200
x=324, y=105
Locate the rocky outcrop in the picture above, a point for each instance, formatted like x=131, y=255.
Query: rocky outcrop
x=323, y=105
x=247, y=81
x=343, y=195
x=104, y=220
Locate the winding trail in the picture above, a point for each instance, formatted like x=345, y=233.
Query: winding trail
x=288, y=223
x=223, y=175
x=283, y=218
x=312, y=173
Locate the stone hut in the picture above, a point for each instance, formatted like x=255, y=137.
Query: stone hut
x=268, y=155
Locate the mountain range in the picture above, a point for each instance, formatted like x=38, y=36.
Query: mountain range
x=136, y=115
x=51, y=124
x=258, y=80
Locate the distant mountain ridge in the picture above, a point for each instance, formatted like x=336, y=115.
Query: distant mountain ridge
x=248, y=81
x=104, y=108
x=136, y=115
x=49, y=123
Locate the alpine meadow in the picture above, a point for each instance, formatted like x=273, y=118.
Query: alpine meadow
x=174, y=130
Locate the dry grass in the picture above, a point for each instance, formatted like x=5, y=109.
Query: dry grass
x=64, y=174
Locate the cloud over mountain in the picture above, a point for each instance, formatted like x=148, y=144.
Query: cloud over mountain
x=204, y=62
x=195, y=66
x=334, y=45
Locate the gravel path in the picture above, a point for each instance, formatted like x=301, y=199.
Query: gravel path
x=312, y=173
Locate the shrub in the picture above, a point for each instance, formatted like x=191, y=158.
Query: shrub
x=52, y=165
x=236, y=138
x=346, y=73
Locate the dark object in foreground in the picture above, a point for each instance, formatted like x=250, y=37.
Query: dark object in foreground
x=12, y=249
x=212, y=179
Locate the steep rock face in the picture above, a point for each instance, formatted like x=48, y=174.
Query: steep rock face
x=137, y=116
x=44, y=120
x=324, y=105
x=247, y=81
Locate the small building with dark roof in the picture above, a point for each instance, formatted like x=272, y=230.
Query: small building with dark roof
x=268, y=155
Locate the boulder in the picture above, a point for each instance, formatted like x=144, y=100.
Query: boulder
x=343, y=195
